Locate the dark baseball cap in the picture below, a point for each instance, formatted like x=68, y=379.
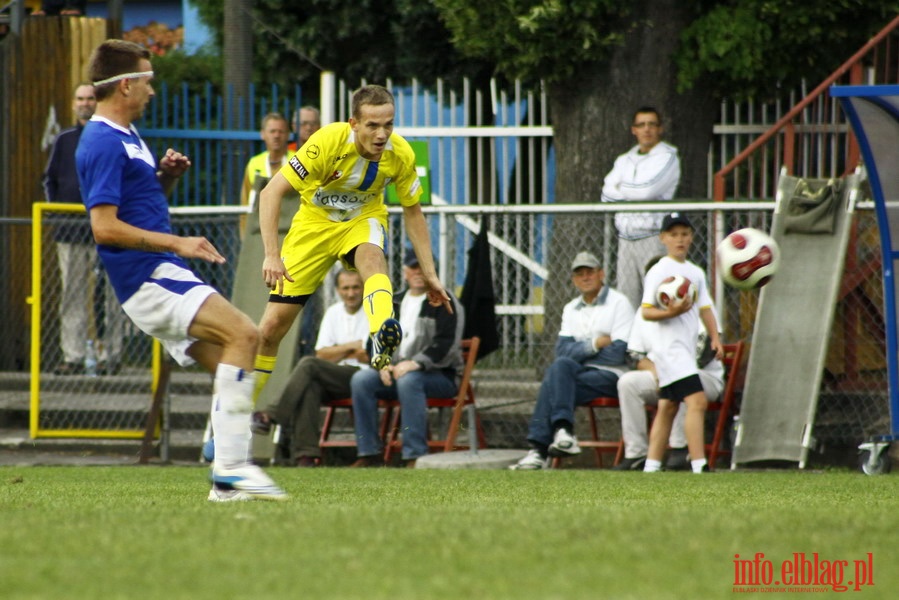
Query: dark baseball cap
x=675, y=218
x=409, y=258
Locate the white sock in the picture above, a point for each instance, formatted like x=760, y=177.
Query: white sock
x=232, y=403
x=652, y=466
x=698, y=464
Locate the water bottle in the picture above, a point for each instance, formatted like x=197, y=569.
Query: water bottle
x=90, y=359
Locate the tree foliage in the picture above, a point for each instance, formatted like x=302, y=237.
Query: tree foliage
x=374, y=40
x=532, y=39
x=196, y=70
x=747, y=46
x=736, y=48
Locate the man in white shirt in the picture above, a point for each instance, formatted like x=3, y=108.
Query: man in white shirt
x=648, y=172
x=339, y=353
x=590, y=356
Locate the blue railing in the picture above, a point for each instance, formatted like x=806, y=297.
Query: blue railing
x=197, y=124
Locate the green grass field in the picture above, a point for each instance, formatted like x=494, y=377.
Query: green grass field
x=148, y=532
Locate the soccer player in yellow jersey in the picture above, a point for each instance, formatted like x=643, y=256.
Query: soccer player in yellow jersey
x=340, y=174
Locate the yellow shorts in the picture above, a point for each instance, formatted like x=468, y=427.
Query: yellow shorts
x=311, y=247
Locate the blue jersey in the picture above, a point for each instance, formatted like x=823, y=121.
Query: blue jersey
x=116, y=167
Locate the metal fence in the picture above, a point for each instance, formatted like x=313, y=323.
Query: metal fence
x=501, y=154
x=531, y=248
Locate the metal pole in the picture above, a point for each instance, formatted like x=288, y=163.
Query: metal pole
x=328, y=100
x=16, y=16
x=472, y=431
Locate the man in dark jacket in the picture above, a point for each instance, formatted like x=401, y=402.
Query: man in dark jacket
x=425, y=365
x=76, y=254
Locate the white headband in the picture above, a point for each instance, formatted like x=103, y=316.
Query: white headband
x=123, y=76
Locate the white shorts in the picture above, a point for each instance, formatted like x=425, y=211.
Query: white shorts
x=166, y=304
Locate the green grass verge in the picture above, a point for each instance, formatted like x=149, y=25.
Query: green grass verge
x=148, y=532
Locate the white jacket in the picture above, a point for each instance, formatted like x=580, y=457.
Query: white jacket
x=640, y=177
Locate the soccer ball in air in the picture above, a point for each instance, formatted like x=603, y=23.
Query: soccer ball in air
x=673, y=288
x=748, y=258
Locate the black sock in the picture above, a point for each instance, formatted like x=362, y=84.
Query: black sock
x=542, y=450
x=563, y=424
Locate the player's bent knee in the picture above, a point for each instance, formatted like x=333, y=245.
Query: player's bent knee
x=247, y=335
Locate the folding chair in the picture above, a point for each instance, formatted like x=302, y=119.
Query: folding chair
x=390, y=420
x=724, y=406
x=324, y=439
x=733, y=364
x=464, y=400
x=331, y=410
x=599, y=446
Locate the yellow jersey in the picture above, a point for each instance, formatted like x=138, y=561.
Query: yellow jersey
x=258, y=166
x=337, y=184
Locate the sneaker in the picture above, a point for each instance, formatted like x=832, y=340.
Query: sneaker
x=224, y=494
x=564, y=444
x=385, y=342
x=364, y=462
x=209, y=450
x=248, y=479
x=677, y=460
x=305, y=462
x=261, y=423
x=532, y=461
x=630, y=464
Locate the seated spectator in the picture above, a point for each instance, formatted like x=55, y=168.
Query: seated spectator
x=639, y=388
x=590, y=356
x=339, y=353
x=426, y=364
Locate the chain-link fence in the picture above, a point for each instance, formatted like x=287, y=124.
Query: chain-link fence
x=94, y=372
x=531, y=250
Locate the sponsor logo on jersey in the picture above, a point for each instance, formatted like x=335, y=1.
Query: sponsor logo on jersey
x=298, y=167
x=341, y=201
x=136, y=151
x=336, y=175
x=313, y=151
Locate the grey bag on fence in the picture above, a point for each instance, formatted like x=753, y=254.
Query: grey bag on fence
x=813, y=207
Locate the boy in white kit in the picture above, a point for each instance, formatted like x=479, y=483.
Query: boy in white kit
x=675, y=356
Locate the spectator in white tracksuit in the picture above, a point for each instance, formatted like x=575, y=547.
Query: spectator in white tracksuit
x=648, y=172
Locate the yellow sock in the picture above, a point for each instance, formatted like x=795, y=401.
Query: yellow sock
x=377, y=300
x=264, y=367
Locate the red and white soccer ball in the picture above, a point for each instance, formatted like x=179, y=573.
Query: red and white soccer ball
x=748, y=258
x=673, y=288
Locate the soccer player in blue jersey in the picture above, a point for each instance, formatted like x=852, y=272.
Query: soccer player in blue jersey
x=124, y=191
x=341, y=173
